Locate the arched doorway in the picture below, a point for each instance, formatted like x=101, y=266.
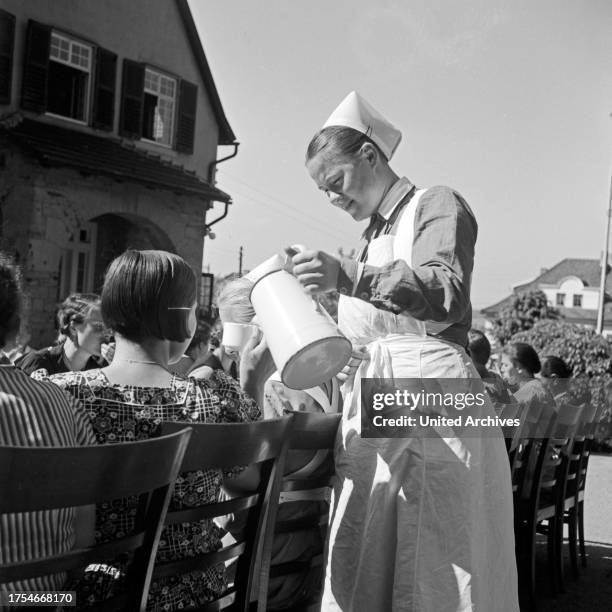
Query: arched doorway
x=93, y=246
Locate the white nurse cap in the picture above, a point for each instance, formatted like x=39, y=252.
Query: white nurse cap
x=356, y=113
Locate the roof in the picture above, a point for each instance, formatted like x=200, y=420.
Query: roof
x=226, y=134
x=53, y=145
x=587, y=270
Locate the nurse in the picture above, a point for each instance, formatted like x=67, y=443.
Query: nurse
x=419, y=523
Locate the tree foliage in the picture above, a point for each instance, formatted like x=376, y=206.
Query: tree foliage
x=521, y=314
x=588, y=354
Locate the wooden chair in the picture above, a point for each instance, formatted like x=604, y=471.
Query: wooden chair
x=311, y=483
x=543, y=501
x=584, y=463
x=526, y=471
x=513, y=435
x=225, y=446
x=576, y=477
x=45, y=478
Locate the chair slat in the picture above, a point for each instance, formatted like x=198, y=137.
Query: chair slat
x=198, y=562
x=36, y=477
x=230, y=506
x=210, y=447
x=67, y=561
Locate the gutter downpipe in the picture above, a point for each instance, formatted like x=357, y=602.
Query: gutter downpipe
x=211, y=179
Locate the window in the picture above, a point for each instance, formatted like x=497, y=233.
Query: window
x=62, y=74
x=577, y=300
x=560, y=299
x=158, y=107
x=77, y=263
x=7, y=41
x=69, y=77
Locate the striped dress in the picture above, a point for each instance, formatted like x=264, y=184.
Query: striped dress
x=34, y=413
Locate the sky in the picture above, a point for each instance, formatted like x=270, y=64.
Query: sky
x=508, y=102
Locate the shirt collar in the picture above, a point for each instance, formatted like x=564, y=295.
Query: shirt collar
x=399, y=190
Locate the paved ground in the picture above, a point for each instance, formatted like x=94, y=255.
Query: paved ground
x=592, y=592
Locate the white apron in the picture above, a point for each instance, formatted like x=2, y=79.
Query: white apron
x=418, y=524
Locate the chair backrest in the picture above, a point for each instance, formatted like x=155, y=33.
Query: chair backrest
x=314, y=432
x=45, y=478
x=225, y=446
x=550, y=467
x=579, y=450
x=512, y=435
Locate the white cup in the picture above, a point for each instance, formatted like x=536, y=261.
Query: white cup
x=236, y=335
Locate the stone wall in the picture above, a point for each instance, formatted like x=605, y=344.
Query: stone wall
x=41, y=207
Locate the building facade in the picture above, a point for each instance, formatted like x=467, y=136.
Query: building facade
x=571, y=286
x=109, y=126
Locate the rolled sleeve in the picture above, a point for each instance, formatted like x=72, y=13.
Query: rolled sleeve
x=437, y=285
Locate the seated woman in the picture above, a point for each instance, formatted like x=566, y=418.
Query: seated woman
x=149, y=300
x=286, y=592
x=519, y=365
x=479, y=349
x=79, y=342
x=33, y=413
x=558, y=378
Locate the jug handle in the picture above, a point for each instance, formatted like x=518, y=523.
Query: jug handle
x=289, y=252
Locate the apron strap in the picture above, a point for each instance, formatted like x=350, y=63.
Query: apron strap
x=388, y=227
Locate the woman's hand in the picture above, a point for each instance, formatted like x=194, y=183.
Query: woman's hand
x=317, y=271
x=359, y=354
x=256, y=366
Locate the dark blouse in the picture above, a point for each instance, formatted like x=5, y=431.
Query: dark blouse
x=52, y=360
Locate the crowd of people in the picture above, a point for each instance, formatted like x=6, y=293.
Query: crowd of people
x=417, y=523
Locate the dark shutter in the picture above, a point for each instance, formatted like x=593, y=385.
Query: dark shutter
x=186, y=117
x=7, y=42
x=104, y=90
x=35, y=67
x=132, y=99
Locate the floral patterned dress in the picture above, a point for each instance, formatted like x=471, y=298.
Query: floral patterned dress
x=121, y=413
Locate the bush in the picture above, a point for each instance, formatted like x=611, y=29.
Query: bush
x=586, y=352
x=521, y=314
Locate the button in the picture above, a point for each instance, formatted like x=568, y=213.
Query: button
x=365, y=295
x=343, y=290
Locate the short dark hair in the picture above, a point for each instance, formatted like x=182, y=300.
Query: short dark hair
x=479, y=346
x=74, y=308
x=338, y=140
x=525, y=355
x=149, y=294
x=10, y=298
x=555, y=366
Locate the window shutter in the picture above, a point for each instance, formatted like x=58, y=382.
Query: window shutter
x=132, y=99
x=35, y=67
x=104, y=90
x=7, y=42
x=185, y=124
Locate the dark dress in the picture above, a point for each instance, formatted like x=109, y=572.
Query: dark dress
x=52, y=360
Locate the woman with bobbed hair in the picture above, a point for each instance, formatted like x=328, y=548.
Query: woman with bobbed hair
x=519, y=363
x=149, y=300
x=81, y=333
x=421, y=522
